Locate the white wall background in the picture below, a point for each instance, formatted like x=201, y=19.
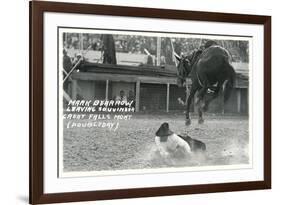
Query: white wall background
x=14, y=101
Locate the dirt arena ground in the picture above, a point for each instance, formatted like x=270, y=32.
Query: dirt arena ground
x=132, y=145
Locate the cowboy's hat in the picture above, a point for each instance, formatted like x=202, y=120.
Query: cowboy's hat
x=164, y=130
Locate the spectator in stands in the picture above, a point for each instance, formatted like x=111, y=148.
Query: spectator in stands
x=149, y=60
x=67, y=64
x=77, y=57
x=138, y=49
x=121, y=97
x=162, y=61
x=131, y=97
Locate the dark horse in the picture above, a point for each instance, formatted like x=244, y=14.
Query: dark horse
x=209, y=70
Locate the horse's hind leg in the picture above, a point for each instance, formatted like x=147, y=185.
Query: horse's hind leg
x=190, y=97
x=201, y=103
x=200, y=111
x=209, y=99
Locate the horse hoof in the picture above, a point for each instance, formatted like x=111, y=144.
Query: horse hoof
x=187, y=122
x=201, y=121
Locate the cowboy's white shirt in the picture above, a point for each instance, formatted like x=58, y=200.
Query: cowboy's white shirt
x=173, y=143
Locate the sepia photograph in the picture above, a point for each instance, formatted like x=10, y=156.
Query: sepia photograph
x=146, y=102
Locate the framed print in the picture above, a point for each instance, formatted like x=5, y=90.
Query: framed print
x=138, y=102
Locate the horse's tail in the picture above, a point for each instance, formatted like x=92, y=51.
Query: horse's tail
x=229, y=83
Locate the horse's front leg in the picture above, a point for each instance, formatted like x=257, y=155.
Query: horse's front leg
x=190, y=97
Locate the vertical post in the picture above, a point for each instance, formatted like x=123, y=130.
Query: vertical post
x=158, y=51
x=173, y=52
x=138, y=96
x=81, y=41
x=168, y=97
x=74, y=89
x=106, y=89
x=239, y=100
x=66, y=42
